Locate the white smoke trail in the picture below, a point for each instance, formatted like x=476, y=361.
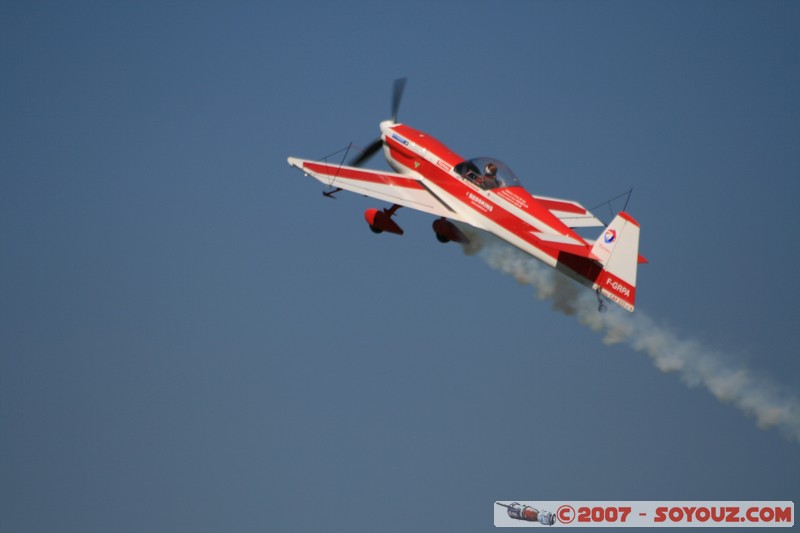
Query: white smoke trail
x=697, y=365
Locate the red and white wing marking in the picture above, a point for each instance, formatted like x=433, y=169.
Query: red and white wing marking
x=572, y=214
x=387, y=186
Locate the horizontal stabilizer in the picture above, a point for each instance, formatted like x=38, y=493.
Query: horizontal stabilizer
x=571, y=213
x=564, y=243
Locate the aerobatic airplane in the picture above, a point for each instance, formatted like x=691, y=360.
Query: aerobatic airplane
x=484, y=193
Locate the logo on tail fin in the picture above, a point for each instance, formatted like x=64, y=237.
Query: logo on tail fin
x=610, y=236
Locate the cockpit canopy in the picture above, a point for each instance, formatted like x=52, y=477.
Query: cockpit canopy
x=487, y=173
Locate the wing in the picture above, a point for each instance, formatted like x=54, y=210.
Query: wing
x=572, y=214
x=387, y=186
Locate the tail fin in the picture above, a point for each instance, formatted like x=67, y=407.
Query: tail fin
x=617, y=249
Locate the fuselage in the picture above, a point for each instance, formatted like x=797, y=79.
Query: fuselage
x=509, y=212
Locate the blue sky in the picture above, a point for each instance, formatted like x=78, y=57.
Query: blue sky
x=193, y=339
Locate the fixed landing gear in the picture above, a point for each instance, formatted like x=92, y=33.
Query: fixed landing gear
x=381, y=220
x=446, y=231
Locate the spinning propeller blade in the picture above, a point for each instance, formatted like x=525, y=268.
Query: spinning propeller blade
x=372, y=149
x=397, y=95
x=368, y=152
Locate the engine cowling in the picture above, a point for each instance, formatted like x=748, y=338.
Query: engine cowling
x=380, y=221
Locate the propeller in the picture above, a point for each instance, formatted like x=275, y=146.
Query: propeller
x=397, y=95
x=377, y=144
x=368, y=152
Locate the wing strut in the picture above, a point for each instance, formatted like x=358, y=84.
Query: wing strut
x=626, y=194
x=357, y=162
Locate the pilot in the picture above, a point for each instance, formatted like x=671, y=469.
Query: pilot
x=489, y=180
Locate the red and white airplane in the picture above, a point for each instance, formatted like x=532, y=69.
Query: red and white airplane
x=484, y=193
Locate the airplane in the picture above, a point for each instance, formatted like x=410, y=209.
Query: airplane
x=484, y=193
x=527, y=513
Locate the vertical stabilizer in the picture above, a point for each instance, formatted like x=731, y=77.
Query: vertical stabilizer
x=617, y=249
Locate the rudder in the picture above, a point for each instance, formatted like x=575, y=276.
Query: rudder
x=617, y=249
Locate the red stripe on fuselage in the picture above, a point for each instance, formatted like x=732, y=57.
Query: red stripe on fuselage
x=426, y=142
x=473, y=196
x=590, y=271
